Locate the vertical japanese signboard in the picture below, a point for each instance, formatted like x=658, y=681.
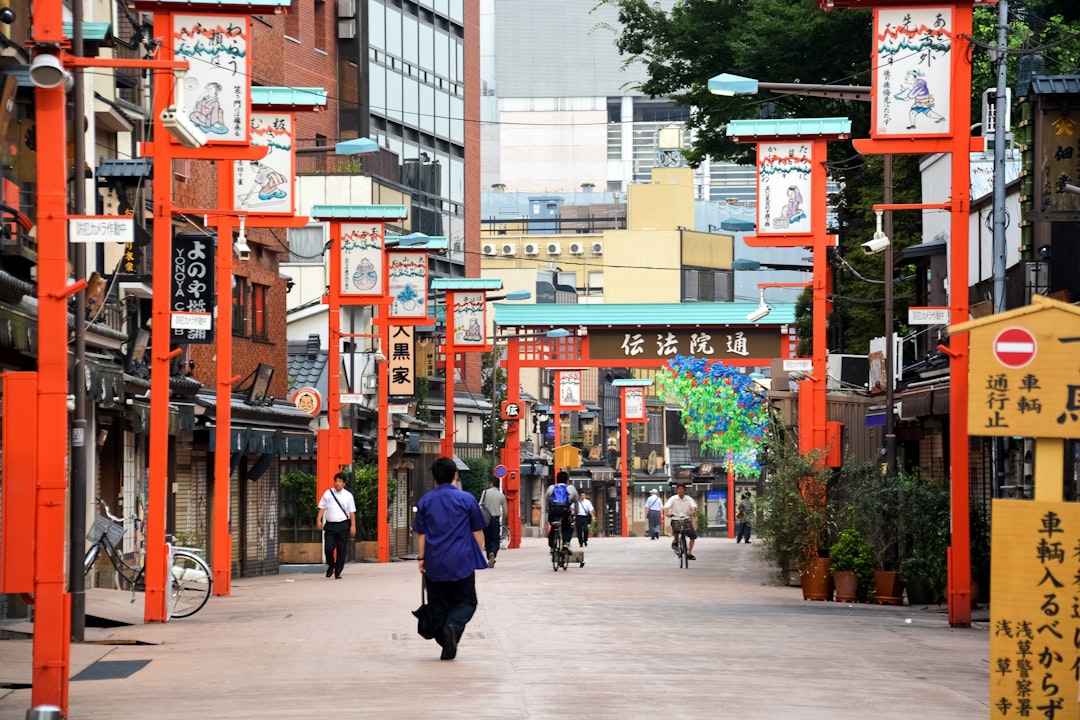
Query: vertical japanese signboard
x=1034, y=643
x=568, y=383
x=402, y=359
x=361, y=260
x=468, y=318
x=408, y=284
x=266, y=186
x=191, y=319
x=913, y=71
x=784, y=188
x=217, y=86
x=1059, y=138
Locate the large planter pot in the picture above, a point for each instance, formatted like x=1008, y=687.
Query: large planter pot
x=918, y=592
x=889, y=588
x=847, y=586
x=816, y=582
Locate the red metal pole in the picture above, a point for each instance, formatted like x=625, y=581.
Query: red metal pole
x=330, y=450
x=818, y=189
x=625, y=436
x=156, y=552
x=220, y=538
x=51, y=651
x=730, y=497
x=448, y=347
x=383, y=443
x=511, y=452
x=960, y=548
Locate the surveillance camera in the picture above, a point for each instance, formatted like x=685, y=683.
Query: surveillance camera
x=181, y=128
x=875, y=245
x=7, y=15
x=46, y=71
x=759, y=313
x=243, y=250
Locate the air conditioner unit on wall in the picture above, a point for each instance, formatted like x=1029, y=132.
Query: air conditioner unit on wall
x=554, y=248
x=488, y=248
x=509, y=249
x=532, y=249
x=598, y=248
x=577, y=248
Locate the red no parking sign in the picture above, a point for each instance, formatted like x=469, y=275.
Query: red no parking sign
x=1015, y=347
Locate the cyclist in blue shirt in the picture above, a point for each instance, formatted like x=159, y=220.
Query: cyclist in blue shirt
x=450, y=540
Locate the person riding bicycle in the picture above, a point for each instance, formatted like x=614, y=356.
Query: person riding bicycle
x=561, y=498
x=681, y=508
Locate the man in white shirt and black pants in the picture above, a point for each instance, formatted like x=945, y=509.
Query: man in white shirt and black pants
x=338, y=509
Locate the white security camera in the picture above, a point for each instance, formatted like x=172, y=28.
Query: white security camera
x=243, y=250
x=879, y=242
x=181, y=128
x=46, y=71
x=758, y=314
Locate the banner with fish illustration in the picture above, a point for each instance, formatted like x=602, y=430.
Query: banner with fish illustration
x=362, y=247
x=408, y=284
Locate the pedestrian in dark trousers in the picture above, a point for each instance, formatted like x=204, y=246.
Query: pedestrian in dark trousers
x=337, y=520
x=494, y=502
x=583, y=518
x=449, y=531
x=743, y=514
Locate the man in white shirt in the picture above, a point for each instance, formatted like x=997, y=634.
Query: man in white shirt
x=681, y=508
x=337, y=520
x=653, y=505
x=583, y=518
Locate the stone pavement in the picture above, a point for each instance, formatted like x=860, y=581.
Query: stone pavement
x=630, y=635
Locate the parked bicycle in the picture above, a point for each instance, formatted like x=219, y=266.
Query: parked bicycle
x=679, y=542
x=189, y=581
x=560, y=554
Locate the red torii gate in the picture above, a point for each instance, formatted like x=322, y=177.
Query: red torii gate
x=657, y=333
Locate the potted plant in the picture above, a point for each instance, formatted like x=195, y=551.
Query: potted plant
x=924, y=536
x=852, y=566
x=872, y=496
x=792, y=517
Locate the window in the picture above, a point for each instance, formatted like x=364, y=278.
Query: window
x=240, y=306
x=306, y=245
x=705, y=285
x=259, y=294
x=320, y=25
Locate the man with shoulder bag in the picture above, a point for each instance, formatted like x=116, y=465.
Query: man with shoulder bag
x=337, y=520
x=493, y=507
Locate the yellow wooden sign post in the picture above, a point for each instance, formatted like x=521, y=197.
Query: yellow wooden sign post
x=1024, y=380
x=566, y=457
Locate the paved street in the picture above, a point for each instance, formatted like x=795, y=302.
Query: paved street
x=629, y=635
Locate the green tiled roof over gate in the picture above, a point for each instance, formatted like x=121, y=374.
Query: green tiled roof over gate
x=358, y=212
x=288, y=96
x=638, y=315
x=790, y=127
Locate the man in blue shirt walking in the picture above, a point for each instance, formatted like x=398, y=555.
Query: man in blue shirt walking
x=449, y=531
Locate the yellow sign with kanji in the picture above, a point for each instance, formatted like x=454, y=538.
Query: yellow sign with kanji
x=1033, y=634
x=1024, y=371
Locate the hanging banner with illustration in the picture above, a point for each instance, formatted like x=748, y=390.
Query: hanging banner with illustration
x=568, y=385
x=634, y=404
x=468, y=317
x=266, y=186
x=362, y=260
x=783, y=188
x=913, y=69
x=216, y=90
x=408, y=284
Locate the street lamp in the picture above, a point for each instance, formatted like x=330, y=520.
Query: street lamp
x=881, y=243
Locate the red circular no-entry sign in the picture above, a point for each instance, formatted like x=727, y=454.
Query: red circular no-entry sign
x=1015, y=347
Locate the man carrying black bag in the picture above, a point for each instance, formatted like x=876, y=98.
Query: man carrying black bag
x=449, y=531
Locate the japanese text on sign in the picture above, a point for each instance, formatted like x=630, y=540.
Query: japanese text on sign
x=402, y=360
x=192, y=289
x=1034, y=641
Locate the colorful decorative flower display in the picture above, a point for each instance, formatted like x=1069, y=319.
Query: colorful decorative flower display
x=722, y=407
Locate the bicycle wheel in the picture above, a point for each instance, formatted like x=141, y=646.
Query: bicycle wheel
x=504, y=537
x=556, y=546
x=684, y=554
x=189, y=586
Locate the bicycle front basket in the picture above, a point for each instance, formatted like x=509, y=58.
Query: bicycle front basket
x=105, y=526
